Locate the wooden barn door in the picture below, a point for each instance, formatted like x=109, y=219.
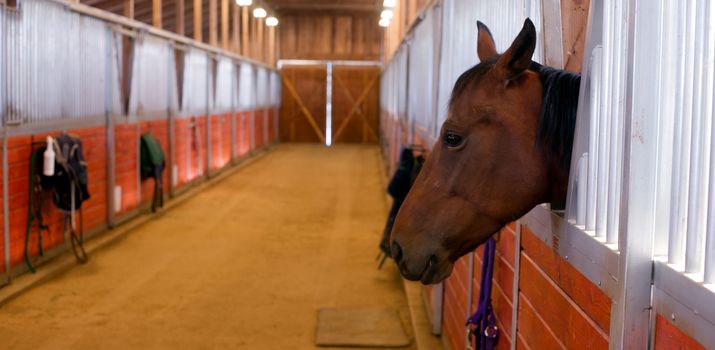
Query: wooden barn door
x=302, y=112
x=356, y=94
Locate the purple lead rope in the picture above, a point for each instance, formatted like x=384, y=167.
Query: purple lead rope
x=485, y=330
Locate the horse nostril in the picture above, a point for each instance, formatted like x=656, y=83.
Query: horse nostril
x=396, y=252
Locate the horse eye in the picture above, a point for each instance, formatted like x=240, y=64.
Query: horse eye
x=452, y=140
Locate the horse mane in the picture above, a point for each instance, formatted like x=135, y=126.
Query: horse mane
x=557, y=118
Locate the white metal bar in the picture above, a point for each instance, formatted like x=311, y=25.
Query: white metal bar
x=709, y=169
x=604, y=141
x=616, y=121
x=631, y=311
x=694, y=236
x=681, y=162
x=596, y=91
x=329, y=104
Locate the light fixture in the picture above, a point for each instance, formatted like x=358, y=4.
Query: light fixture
x=259, y=12
x=386, y=14
x=244, y=3
x=389, y=3
x=384, y=22
x=271, y=21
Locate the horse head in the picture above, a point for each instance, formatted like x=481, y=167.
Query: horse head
x=504, y=148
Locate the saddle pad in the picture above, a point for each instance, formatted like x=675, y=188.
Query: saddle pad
x=366, y=327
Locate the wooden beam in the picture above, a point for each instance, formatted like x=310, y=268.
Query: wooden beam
x=180, y=19
x=224, y=24
x=213, y=23
x=235, y=45
x=272, y=46
x=260, y=42
x=129, y=9
x=156, y=13
x=198, y=22
x=244, y=31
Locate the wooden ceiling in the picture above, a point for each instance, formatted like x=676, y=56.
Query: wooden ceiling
x=143, y=9
x=323, y=5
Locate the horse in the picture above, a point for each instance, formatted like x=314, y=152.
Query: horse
x=504, y=148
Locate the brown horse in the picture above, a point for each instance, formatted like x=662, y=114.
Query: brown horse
x=504, y=148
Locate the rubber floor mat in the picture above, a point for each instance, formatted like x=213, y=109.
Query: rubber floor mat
x=368, y=327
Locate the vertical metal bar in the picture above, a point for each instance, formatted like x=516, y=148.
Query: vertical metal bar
x=596, y=80
x=109, y=125
x=329, y=104
x=694, y=237
x=5, y=203
x=470, y=292
x=615, y=114
x=676, y=241
x=631, y=309
x=604, y=127
x=515, y=287
x=234, y=94
x=170, y=122
x=209, y=148
x=667, y=143
x=252, y=121
x=709, y=263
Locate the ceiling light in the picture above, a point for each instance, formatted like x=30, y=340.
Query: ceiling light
x=386, y=14
x=384, y=22
x=389, y=3
x=244, y=2
x=271, y=21
x=259, y=12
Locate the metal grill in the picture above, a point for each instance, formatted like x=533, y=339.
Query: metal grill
x=225, y=85
x=55, y=64
x=197, y=96
x=153, y=68
x=246, y=87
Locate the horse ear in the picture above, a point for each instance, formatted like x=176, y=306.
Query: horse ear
x=517, y=58
x=486, y=48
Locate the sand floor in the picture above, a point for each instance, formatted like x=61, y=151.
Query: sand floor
x=245, y=264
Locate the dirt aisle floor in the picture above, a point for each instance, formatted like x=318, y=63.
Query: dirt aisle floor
x=243, y=265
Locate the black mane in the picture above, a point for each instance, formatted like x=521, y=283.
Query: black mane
x=557, y=119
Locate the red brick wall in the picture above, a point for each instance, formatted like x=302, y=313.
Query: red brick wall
x=126, y=172
x=669, y=337
x=245, y=146
x=220, y=140
x=126, y=162
x=557, y=304
x=2, y=229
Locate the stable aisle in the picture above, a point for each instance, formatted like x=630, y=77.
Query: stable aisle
x=243, y=265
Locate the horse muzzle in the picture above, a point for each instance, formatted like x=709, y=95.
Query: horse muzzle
x=428, y=270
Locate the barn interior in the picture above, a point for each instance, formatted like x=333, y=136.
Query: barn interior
x=223, y=176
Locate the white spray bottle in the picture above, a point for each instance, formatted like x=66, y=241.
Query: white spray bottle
x=48, y=163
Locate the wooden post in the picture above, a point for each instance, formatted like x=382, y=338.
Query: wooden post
x=213, y=23
x=271, y=45
x=180, y=19
x=156, y=13
x=235, y=40
x=224, y=24
x=129, y=9
x=244, y=31
x=260, y=43
x=197, y=21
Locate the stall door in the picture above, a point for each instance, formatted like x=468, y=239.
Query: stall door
x=355, y=97
x=302, y=112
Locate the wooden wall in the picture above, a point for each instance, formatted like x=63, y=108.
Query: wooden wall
x=330, y=35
